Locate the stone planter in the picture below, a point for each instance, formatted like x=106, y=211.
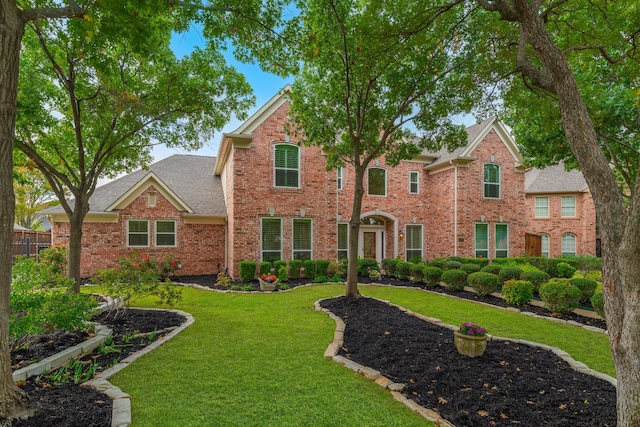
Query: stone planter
x=468, y=345
x=267, y=286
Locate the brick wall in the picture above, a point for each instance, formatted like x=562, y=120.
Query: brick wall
x=199, y=246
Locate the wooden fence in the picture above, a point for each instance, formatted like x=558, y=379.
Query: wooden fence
x=30, y=243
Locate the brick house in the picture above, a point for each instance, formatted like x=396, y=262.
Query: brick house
x=264, y=197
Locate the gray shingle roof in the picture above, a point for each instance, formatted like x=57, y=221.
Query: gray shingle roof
x=443, y=155
x=554, y=179
x=189, y=177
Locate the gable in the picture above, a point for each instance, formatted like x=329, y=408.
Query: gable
x=151, y=179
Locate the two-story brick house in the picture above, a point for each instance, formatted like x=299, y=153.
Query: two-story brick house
x=265, y=197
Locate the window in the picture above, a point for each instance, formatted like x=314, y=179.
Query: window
x=413, y=182
x=545, y=245
x=301, y=238
x=271, y=239
x=502, y=241
x=482, y=240
x=343, y=241
x=137, y=233
x=542, y=207
x=568, y=206
x=165, y=233
x=377, y=183
x=492, y=181
x=339, y=179
x=151, y=199
x=286, y=166
x=413, y=239
x=568, y=245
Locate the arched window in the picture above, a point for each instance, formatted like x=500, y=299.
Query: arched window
x=568, y=245
x=287, y=166
x=545, y=245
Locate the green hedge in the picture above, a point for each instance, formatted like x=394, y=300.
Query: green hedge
x=247, y=270
x=454, y=279
x=560, y=295
x=310, y=268
x=431, y=275
x=295, y=265
x=483, y=283
x=518, y=292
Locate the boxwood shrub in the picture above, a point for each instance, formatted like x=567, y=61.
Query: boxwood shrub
x=559, y=295
x=365, y=265
x=403, y=269
x=265, y=267
x=279, y=263
x=322, y=267
x=517, y=292
x=389, y=266
x=310, y=268
x=565, y=270
x=437, y=262
x=452, y=265
x=536, y=278
x=470, y=267
x=586, y=286
x=416, y=272
x=431, y=275
x=510, y=273
x=454, y=279
x=294, y=268
x=493, y=269
x=247, y=270
x=483, y=283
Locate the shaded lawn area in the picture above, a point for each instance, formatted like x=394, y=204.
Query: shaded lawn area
x=257, y=359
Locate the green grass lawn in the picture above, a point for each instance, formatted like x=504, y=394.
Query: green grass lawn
x=257, y=360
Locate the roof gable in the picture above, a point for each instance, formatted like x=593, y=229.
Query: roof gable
x=150, y=179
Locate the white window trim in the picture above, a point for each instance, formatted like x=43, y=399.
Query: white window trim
x=495, y=243
x=562, y=206
x=261, y=230
x=535, y=207
x=175, y=233
x=417, y=175
x=299, y=169
x=575, y=245
x=406, y=239
x=385, y=182
x=542, y=251
x=148, y=233
x=499, y=183
x=475, y=239
x=293, y=250
x=340, y=178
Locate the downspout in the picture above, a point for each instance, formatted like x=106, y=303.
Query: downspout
x=455, y=208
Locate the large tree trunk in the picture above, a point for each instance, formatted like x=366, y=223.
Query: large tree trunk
x=76, y=219
x=619, y=225
x=12, y=399
x=351, y=289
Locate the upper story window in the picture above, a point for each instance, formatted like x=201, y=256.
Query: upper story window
x=137, y=232
x=568, y=206
x=339, y=178
x=542, y=207
x=491, y=181
x=165, y=233
x=287, y=166
x=413, y=182
x=377, y=182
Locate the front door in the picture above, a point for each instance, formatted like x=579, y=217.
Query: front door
x=371, y=243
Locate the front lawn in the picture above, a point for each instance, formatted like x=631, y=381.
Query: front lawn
x=257, y=359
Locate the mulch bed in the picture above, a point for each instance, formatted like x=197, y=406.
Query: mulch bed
x=511, y=384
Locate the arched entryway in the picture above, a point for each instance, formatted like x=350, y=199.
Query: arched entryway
x=376, y=228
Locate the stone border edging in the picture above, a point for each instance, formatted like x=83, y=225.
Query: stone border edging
x=396, y=388
x=121, y=401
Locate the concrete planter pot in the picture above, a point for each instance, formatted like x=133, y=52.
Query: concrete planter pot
x=267, y=286
x=471, y=346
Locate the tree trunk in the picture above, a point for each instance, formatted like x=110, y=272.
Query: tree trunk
x=80, y=209
x=12, y=399
x=351, y=290
x=619, y=226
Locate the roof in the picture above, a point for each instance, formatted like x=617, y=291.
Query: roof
x=475, y=135
x=554, y=179
x=187, y=180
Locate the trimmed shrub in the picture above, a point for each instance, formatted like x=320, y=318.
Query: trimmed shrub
x=536, y=278
x=279, y=263
x=403, y=269
x=452, y=265
x=517, y=292
x=365, y=265
x=470, y=268
x=502, y=261
x=437, y=262
x=454, y=279
x=455, y=258
x=265, y=267
x=482, y=262
x=294, y=268
x=483, y=283
x=431, y=275
x=247, y=270
x=310, y=268
x=416, y=272
x=322, y=267
x=389, y=266
x=565, y=270
x=586, y=286
x=551, y=266
x=283, y=273
x=510, y=273
x=560, y=295
x=598, y=304
x=493, y=269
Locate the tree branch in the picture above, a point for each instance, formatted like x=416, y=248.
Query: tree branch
x=73, y=10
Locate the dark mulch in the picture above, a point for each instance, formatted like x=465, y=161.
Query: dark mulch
x=511, y=384
x=70, y=405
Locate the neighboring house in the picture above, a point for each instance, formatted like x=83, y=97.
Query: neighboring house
x=561, y=210
x=265, y=198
